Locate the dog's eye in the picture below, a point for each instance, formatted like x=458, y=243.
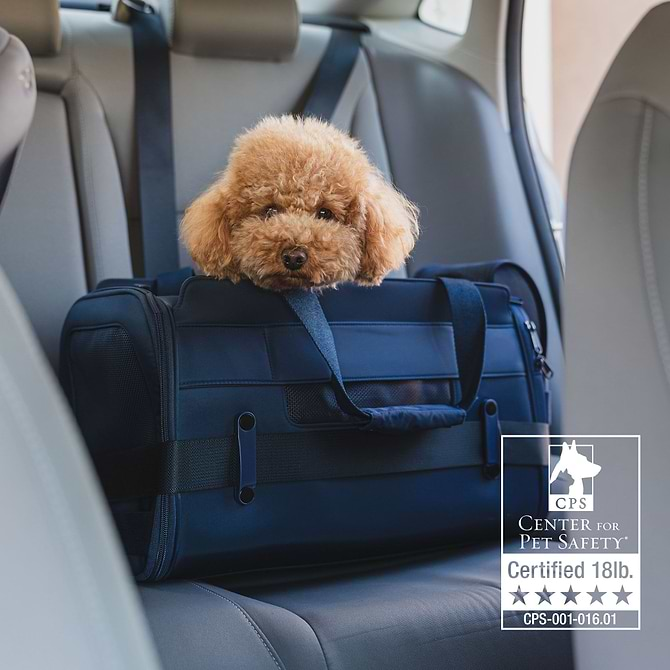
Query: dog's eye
x=325, y=213
x=270, y=211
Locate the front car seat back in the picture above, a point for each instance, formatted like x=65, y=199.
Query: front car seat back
x=617, y=304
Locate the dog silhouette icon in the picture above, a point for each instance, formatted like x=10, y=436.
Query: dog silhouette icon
x=577, y=466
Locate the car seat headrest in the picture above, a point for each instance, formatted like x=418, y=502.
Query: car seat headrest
x=35, y=22
x=639, y=70
x=257, y=30
x=17, y=102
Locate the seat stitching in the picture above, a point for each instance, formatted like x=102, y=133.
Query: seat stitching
x=309, y=625
x=653, y=295
x=95, y=228
x=249, y=621
x=98, y=263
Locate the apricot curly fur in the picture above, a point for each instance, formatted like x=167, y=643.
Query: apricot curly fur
x=297, y=167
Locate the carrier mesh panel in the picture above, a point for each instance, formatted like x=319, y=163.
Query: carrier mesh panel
x=111, y=398
x=315, y=403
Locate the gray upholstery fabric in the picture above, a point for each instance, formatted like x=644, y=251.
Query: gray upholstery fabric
x=67, y=598
x=196, y=625
x=41, y=247
x=35, y=22
x=434, y=613
x=617, y=305
x=17, y=101
x=261, y=30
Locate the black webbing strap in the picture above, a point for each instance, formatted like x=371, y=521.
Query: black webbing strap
x=153, y=128
x=196, y=465
x=332, y=75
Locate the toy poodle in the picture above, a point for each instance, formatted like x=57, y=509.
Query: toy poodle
x=299, y=206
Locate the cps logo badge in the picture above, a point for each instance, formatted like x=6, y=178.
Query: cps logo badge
x=573, y=470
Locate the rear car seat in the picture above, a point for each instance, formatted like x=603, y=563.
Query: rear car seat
x=72, y=219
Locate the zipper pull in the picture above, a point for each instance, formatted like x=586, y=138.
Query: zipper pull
x=544, y=367
x=534, y=336
x=540, y=361
x=246, y=443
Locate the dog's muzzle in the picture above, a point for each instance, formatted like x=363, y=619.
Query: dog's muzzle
x=294, y=259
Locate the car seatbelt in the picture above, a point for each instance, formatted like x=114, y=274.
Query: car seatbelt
x=332, y=74
x=153, y=128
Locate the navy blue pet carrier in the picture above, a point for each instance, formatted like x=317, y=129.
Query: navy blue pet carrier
x=235, y=428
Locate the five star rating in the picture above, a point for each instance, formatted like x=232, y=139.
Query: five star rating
x=571, y=596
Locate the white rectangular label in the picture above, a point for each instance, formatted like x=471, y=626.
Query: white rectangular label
x=577, y=564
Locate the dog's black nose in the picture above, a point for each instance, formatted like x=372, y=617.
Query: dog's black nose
x=295, y=258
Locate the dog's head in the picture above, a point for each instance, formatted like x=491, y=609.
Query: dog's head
x=299, y=206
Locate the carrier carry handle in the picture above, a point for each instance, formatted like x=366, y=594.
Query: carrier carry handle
x=501, y=271
x=469, y=324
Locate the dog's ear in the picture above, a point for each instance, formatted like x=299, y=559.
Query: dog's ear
x=205, y=231
x=391, y=226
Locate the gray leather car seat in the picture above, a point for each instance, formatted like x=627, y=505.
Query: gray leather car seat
x=67, y=596
x=429, y=613
x=617, y=306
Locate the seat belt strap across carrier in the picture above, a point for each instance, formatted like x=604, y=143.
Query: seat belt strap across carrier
x=153, y=126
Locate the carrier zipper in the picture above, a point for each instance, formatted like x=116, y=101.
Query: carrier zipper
x=533, y=355
x=540, y=361
x=165, y=392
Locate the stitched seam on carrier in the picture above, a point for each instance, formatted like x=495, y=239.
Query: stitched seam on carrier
x=248, y=619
